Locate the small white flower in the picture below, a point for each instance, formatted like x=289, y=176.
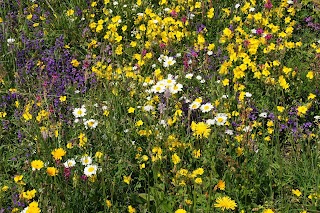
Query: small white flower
x=248, y=94
x=209, y=53
x=163, y=123
x=153, y=65
x=206, y=107
x=167, y=9
x=11, y=40
x=237, y=6
x=178, y=55
x=69, y=163
x=86, y=160
x=211, y=122
x=148, y=108
x=77, y=91
x=317, y=117
x=290, y=2
x=191, y=15
x=252, y=9
x=79, y=112
x=263, y=115
x=158, y=88
x=115, y=3
x=254, y=31
x=229, y=132
x=202, y=81
x=168, y=61
x=198, y=77
x=90, y=170
x=318, y=41
x=225, y=96
x=247, y=129
x=91, y=123
x=76, y=120
x=125, y=5
x=176, y=88
x=194, y=105
x=104, y=108
x=189, y=75
x=221, y=119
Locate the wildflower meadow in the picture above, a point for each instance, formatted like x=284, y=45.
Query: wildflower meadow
x=160, y=106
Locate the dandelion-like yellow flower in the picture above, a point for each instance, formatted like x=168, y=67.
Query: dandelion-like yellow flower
x=200, y=129
x=180, y=211
x=52, y=171
x=268, y=211
x=37, y=164
x=58, y=153
x=225, y=203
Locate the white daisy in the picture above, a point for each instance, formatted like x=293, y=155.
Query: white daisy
x=189, y=75
x=206, y=107
x=168, y=61
x=86, y=160
x=221, y=119
x=69, y=163
x=90, y=170
x=194, y=105
x=91, y=123
x=158, y=88
x=176, y=88
x=79, y=112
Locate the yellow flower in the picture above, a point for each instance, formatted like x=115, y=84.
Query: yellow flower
x=58, y=153
x=311, y=96
x=37, y=164
x=131, y=209
x=175, y=159
x=33, y=207
x=127, y=179
x=296, y=192
x=98, y=154
x=75, y=62
x=302, y=110
x=310, y=75
x=108, y=203
x=180, y=211
x=280, y=108
x=29, y=194
x=268, y=211
x=200, y=129
x=139, y=123
x=5, y=188
x=198, y=181
x=131, y=110
x=52, y=171
x=70, y=12
x=63, y=98
x=225, y=203
x=221, y=185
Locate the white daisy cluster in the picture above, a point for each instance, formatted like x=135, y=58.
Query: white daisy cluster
x=80, y=113
x=168, y=84
x=90, y=169
x=220, y=120
x=197, y=103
